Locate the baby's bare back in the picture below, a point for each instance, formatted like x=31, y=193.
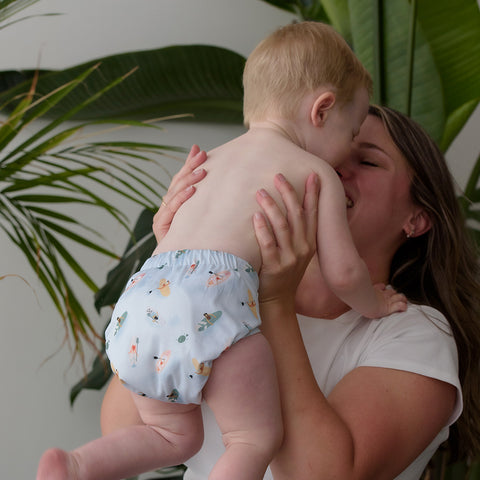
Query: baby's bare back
x=219, y=215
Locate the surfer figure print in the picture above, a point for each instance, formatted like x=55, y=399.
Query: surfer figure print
x=208, y=320
x=120, y=321
x=163, y=287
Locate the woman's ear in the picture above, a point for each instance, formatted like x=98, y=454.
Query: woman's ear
x=417, y=224
x=322, y=104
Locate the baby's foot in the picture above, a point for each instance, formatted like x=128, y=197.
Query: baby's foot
x=57, y=464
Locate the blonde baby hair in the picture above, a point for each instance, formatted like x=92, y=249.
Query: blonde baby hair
x=296, y=60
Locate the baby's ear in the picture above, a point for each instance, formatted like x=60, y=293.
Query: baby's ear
x=321, y=106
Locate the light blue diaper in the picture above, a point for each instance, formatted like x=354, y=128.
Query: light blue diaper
x=175, y=316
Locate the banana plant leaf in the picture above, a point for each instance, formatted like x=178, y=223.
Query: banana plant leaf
x=445, y=84
x=204, y=81
x=443, y=88
x=456, y=51
x=305, y=9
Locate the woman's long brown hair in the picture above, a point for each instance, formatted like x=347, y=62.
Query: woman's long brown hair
x=441, y=268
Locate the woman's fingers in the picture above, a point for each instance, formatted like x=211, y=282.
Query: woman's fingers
x=285, y=238
x=310, y=207
x=288, y=237
x=266, y=240
x=301, y=218
x=276, y=218
x=164, y=216
x=189, y=174
x=180, y=190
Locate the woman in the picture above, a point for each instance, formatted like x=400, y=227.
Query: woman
x=362, y=398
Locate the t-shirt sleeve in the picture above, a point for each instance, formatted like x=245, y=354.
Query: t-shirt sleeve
x=418, y=341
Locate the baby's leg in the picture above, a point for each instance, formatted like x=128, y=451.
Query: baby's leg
x=118, y=408
x=171, y=434
x=242, y=392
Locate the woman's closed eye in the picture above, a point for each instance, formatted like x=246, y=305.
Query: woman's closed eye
x=368, y=162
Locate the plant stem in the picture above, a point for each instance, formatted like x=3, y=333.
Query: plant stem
x=469, y=192
x=378, y=80
x=411, y=55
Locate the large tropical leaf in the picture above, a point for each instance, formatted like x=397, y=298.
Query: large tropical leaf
x=443, y=88
x=305, y=9
x=446, y=50
x=204, y=81
x=456, y=52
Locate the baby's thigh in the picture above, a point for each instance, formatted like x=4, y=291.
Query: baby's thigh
x=242, y=390
x=118, y=408
x=174, y=417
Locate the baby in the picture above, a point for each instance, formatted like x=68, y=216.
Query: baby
x=187, y=326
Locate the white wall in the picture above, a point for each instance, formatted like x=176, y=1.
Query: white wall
x=34, y=409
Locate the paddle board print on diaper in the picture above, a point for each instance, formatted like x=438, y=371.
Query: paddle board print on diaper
x=217, y=278
x=120, y=321
x=208, y=320
x=162, y=360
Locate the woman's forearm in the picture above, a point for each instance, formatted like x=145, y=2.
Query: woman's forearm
x=317, y=443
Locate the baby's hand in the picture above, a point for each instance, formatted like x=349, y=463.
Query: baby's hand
x=389, y=300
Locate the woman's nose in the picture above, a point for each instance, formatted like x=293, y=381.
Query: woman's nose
x=345, y=170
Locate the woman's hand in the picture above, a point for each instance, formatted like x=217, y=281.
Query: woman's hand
x=287, y=241
x=181, y=189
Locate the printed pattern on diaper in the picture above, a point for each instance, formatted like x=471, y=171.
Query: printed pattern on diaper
x=120, y=322
x=133, y=352
x=208, y=320
x=217, y=278
x=163, y=287
x=176, y=316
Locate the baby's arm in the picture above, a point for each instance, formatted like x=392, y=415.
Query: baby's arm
x=343, y=269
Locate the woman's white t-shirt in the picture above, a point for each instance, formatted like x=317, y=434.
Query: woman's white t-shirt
x=418, y=341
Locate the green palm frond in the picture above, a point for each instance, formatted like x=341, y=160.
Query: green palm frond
x=9, y=8
x=41, y=173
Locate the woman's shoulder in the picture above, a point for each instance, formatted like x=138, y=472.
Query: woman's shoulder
x=418, y=318
x=418, y=340
x=419, y=327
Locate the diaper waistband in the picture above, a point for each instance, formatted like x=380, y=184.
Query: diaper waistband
x=190, y=257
